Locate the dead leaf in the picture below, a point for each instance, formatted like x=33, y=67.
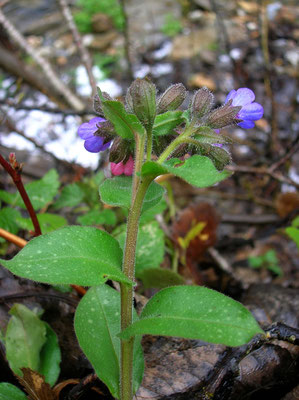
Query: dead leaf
x=35, y=385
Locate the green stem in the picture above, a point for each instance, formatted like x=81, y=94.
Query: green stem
x=182, y=138
x=149, y=145
x=139, y=189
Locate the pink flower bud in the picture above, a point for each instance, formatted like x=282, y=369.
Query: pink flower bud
x=123, y=168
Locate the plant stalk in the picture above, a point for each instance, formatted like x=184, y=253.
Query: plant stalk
x=139, y=189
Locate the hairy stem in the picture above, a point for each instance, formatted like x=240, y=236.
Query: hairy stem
x=139, y=189
x=149, y=145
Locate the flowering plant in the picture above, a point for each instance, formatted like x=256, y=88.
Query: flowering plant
x=162, y=139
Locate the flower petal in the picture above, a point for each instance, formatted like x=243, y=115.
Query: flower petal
x=247, y=124
x=231, y=95
x=87, y=129
x=129, y=167
x=243, y=97
x=117, y=169
x=253, y=111
x=94, y=144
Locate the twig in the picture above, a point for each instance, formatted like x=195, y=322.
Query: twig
x=22, y=243
x=85, y=57
x=57, y=83
x=127, y=39
x=15, y=173
x=10, y=237
x=66, y=299
x=267, y=79
x=12, y=127
x=10, y=103
x=294, y=148
x=263, y=171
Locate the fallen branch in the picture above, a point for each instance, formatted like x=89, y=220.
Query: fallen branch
x=263, y=171
x=46, y=67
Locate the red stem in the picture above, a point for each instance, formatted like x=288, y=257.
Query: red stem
x=16, y=177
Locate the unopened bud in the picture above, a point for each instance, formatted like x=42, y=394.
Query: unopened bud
x=129, y=103
x=202, y=102
x=223, y=116
x=172, y=98
x=142, y=97
x=120, y=151
x=97, y=103
x=106, y=131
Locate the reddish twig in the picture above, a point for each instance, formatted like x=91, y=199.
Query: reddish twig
x=15, y=173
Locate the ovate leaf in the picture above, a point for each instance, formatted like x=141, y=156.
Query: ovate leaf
x=24, y=339
x=125, y=124
x=196, y=312
x=118, y=192
x=96, y=217
x=150, y=246
x=165, y=123
x=159, y=278
x=196, y=170
x=97, y=324
x=71, y=195
x=48, y=222
x=8, y=218
x=50, y=357
x=75, y=255
x=11, y=392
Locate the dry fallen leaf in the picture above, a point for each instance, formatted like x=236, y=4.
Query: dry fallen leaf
x=35, y=385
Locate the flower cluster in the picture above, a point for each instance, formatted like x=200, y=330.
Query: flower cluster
x=200, y=130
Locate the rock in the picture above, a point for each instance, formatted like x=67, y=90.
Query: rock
x=100, y=41
x=101, y=23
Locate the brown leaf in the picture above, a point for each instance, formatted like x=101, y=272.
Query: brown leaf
x=35, y=385
x=286, y=203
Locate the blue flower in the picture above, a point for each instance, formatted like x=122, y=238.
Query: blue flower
x=93, y=143
x=251, y=111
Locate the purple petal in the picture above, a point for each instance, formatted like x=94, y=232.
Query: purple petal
x=87, y=129
x=231, y=95
x=247, y=124
x=95, y=144
x=253, y=112
x=243, y=97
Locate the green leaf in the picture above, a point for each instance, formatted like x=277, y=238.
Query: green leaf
x=71, y=195
x=97, y=324
x=50, y=357
x=293, y=233
x=196, y=170
x=7, y=197
x=125, y=124
x=150, y=214
x=75, y=255
x=11, y=392
x=24, y=339
x=8, y=217
x=96, y=217
x=165, y=123
x=48, y=222
x=42, y=191
x=118, y=192
x=159, y=278
x=150, y=246
x=195, y=312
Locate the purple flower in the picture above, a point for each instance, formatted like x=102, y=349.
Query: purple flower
x=251, y=111
x=93, y=143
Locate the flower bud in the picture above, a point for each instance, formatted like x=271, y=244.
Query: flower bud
x=172, y=98
x=142, y=97
x=97, y=103
x=106, y=131
x=202, y=102
x=120, y=151
x=223, y=116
